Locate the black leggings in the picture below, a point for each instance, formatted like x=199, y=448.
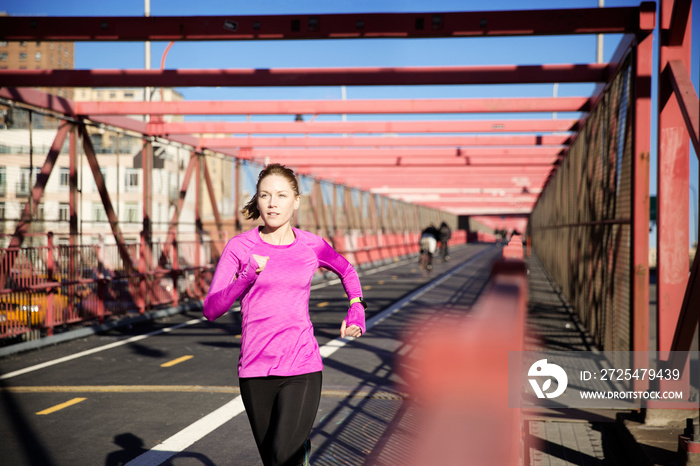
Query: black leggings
x=281, y=411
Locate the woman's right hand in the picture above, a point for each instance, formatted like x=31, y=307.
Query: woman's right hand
x=261, y=261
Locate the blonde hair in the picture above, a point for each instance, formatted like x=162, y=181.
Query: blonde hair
x=250, y=211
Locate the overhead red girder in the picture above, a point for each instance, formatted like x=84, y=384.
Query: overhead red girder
x=425, y=172
x=359, y=76
x=387, y=162
x=365, y=182
x=351, y=127
x=515, y=154
x=494, y=196
x=323, y=26
x=388, y=141
x=487, y=211
x=319, y=107
x=454, y=191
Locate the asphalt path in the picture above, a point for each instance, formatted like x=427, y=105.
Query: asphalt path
x=166, y=391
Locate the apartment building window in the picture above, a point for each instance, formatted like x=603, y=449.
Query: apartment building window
x=104, y=177
x=98, y=212
x=3, y=43
x=2, y=211
x=25, y=185
x=3, y=56
x=131, y=182
x=22, y=43
x=63, y=212
x=23, y=56
x=37, y=56
x=3, y=181
x=65, y=177
x=131, y=212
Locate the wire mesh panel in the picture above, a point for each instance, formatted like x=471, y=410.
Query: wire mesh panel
x=580, y=227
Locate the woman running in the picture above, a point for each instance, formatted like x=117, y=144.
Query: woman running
x=270, y=269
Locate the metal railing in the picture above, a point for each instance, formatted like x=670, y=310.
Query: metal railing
x=581, y=225
x=57, y=285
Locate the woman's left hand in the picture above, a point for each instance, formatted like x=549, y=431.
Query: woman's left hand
x=352, y=331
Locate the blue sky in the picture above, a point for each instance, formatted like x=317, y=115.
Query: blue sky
x=349, y=53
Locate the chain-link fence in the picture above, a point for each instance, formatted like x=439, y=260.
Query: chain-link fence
x=581, y=225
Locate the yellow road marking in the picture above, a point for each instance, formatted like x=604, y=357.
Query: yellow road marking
x=61, y=406
x=120, y=389
x=323, y=304
x=164, y=388
x=394, y=277
x=176, y=361
x=368, y=287
x=380, y=282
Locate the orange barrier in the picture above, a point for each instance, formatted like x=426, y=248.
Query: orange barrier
x=458, y=377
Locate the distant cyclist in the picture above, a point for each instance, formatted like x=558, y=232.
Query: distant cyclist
x=444, y=237
x=428, y=244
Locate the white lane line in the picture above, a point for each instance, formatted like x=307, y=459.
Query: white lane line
x=97, y=350
x=194, y=432
x=189, y=435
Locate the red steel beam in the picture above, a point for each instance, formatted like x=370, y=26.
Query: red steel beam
x=673, y=181
x=544, y=163
x=323, y=26
x=351, y=127
x=172, y=228
x=38, y=99
x=436, y=170
x=42, y=178
x=387, y=141
x=365, y=180
x=453, y=152
x=219, y=244
x=687, y=100
x=640, y=194
x=360, y=76
x=688, y=319
x=454, y=191
x=484, y=210
x=106, y=201
x=319, y=107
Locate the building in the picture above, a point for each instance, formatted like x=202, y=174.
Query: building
x=34, y=55
x=31, y=55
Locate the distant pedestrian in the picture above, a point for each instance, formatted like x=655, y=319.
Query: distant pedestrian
x=270, y=269
x=444, y=237
x=428, y=244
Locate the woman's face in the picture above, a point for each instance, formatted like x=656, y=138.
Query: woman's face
x=276, y=201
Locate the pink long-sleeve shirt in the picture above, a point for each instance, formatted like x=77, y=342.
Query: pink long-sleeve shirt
x=277, y=335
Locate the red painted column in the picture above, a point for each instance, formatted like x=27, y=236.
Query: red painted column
x=73, y=213
x=640, y=195
x=673, y=181
x=198, y=283
x=51, y=292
